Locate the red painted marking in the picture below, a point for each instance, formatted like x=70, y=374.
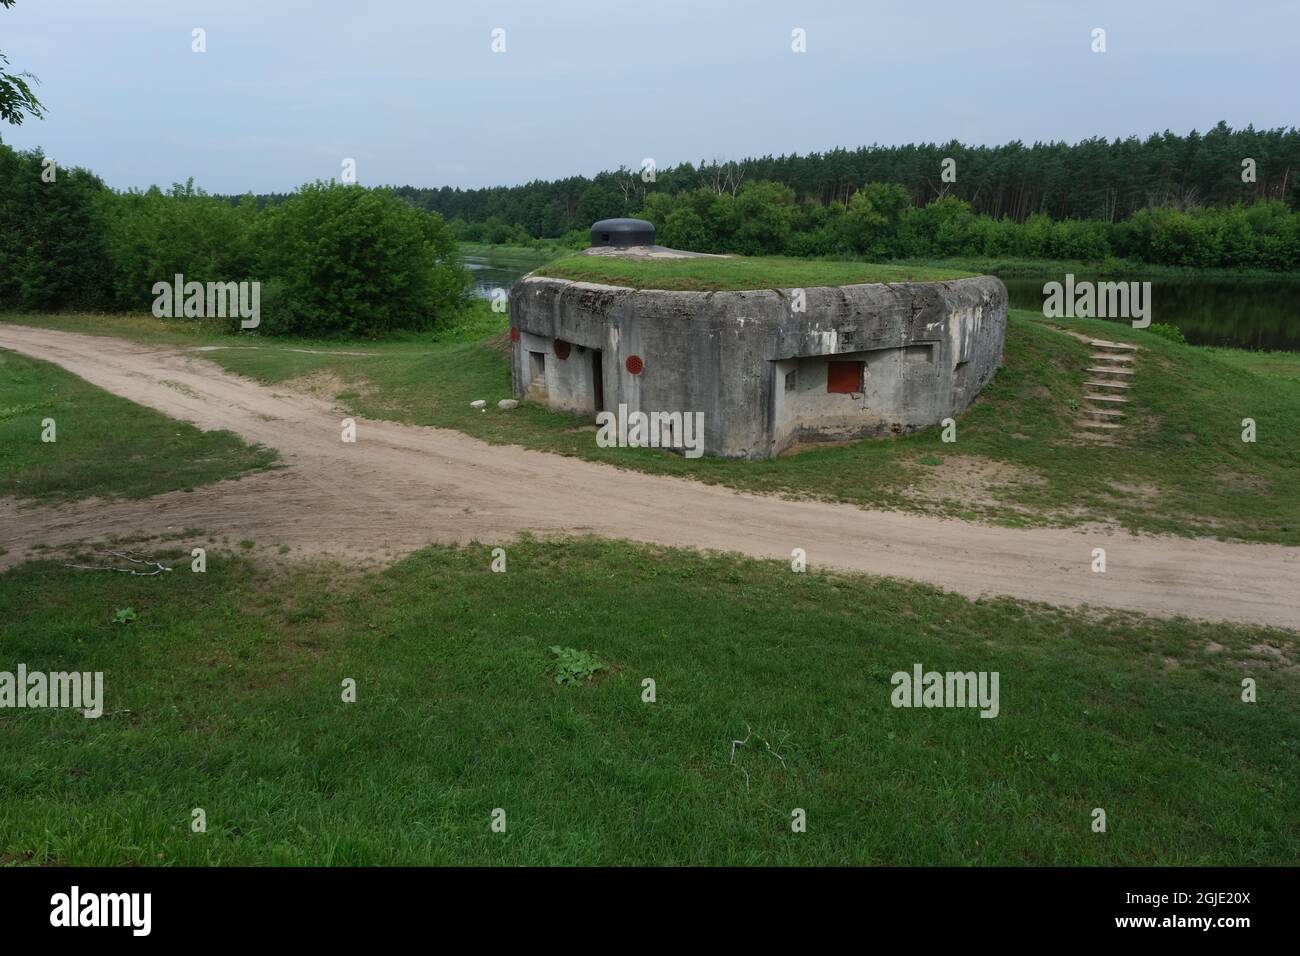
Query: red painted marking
x=514, y=335
x=561, y=349
x=634, y=364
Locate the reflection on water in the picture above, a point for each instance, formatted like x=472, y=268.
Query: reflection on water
x=1241, y=313
x=488, y=273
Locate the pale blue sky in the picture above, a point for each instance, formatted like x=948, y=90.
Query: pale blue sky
x=413, y=92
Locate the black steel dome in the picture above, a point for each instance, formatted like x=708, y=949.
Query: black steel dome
x=623, y=232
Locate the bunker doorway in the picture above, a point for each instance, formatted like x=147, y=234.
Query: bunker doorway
x=536, y=373
x=598, y=380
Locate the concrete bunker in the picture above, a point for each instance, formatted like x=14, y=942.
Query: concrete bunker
x=859, y=361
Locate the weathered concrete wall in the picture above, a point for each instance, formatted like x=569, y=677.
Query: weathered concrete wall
x=926, y=348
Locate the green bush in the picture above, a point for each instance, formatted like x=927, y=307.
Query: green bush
x=53, y=248
x=153, y=236
x=331, y=259
x=1166, y=331
x=576, y=239
x=347, y=260
x=684, y=229
x=765, y=214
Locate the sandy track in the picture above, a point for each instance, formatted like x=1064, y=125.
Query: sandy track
x=401, y=487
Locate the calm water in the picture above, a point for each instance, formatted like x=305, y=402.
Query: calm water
x=489, y=273
x=1241, y=313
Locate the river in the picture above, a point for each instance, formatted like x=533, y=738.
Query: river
x=1258, y=314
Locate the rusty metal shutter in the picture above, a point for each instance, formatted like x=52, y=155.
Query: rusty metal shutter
x=844, y=377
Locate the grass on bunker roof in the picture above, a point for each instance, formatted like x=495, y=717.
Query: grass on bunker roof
x=736, y=273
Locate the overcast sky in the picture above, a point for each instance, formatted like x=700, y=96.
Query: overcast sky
x=412, y=90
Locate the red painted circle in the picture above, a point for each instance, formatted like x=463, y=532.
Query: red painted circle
x=561, y=349
x=514, y=335
x=634, y=364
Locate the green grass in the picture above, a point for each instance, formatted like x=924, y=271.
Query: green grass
x=1181, y=469
x=1279, y=364
x=104, y=445
x=225, y=693
x=735, y=273
x=223, y=689
x=475, y=322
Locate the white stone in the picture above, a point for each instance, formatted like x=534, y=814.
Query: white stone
x=507, y=404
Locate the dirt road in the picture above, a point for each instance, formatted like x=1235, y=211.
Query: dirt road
x=401, y=487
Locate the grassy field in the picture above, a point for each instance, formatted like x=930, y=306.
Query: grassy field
x=104, y=446
x=225, y=693
x=223, y=690
x=1182, y=468
x=735, y=273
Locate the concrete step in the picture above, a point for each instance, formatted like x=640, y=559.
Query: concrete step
x=1104, y=425
x=1102, y=344
x=1106, y=398
x=1109, y=384
x=1111, y=357
x=1111, y=370
x=1100, y=413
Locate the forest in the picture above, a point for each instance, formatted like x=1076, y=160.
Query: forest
x=1095, y=178
x=1226, y=198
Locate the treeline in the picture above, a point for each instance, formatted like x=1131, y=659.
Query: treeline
x=1107, y=181
x=330, y=259
x=880, y=223
x=1092, y=179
